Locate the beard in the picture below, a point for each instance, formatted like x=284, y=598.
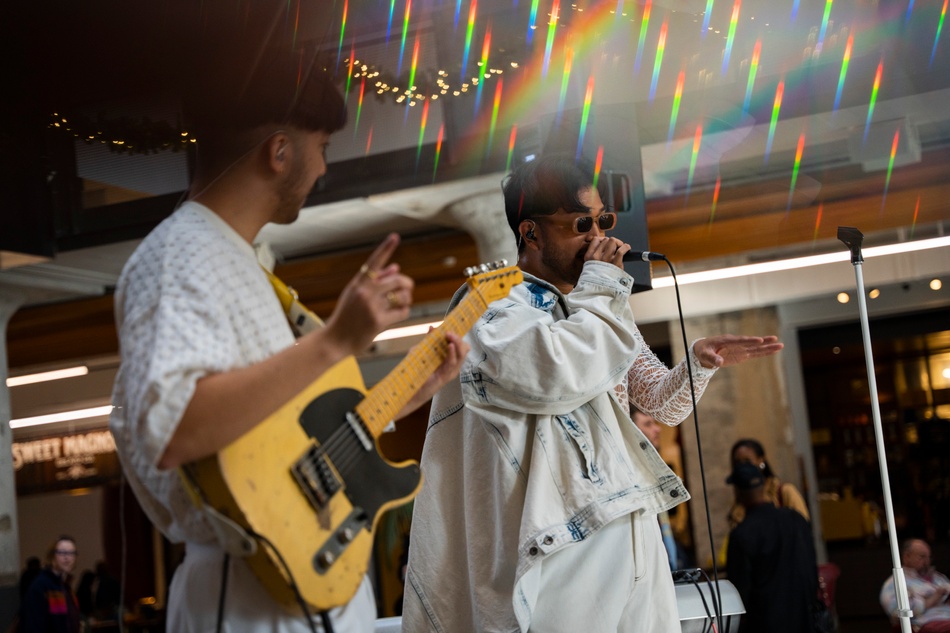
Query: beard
x=292, y=193
x=563, y=263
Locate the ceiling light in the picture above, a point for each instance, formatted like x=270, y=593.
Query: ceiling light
x=799, y=262
x=874, y=293
x=843, y=297
x=56, y=374
x=65, y=416
x=936, y=284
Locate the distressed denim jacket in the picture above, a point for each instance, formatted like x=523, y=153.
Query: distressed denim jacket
x=530, y=451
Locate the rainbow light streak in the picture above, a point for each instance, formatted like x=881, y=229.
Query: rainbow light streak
x=877, y=84
x=413, y=68
x=369, y=141
x=677, y=96
x=712, y=211
x=438, y=150
x=468, y=37
x=389, y=25
x=405, y=29
x=776, y=108
x=494, y=116
x=795, y=10
x=845, y=60
x=565, y=79
x=706, y=15
x=814, y=235
x=585, y=113
x=296, y=25
x=422, y=130
x=753, y=71
x=910, y=7
x=511, y=146
x=532, y=21
x=552, y=27
x=644, y=26
x=598, y=164
x=913, y=224
x=349, y=74
x=339, y=47
x=824, y=26
x=798, y=163
x=697, y=141
x=483, y=69
x=733, y=21
x=359, y=106
x=943, y=15
x=660, y=48
x=458, y=11
x=890, y=165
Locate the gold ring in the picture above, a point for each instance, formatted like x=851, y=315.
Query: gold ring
x=365, y=270
x=393, y=300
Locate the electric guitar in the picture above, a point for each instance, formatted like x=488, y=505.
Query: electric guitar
x=307, y=485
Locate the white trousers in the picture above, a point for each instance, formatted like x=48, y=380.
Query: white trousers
x=196, y=587
x=617, y=581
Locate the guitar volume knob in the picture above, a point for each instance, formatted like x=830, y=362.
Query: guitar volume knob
x=326, y=559
x=346, y=535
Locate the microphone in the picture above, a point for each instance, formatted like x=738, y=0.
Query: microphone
x=645, y=256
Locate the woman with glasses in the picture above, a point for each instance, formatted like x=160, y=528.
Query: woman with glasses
x=50, y=606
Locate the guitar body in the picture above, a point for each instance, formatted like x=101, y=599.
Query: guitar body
x=308, y=483
x=251, y=481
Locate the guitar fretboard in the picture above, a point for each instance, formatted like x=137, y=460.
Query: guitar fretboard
x=391, y=394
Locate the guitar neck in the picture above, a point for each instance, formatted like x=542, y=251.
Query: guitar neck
x=390, y=395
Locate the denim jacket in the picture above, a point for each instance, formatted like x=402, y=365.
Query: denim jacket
x=530, y=451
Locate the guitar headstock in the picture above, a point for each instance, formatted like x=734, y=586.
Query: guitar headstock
x=493, y=281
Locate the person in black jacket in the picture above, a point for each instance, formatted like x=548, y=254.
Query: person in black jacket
x=50, y=606
x=771, y=560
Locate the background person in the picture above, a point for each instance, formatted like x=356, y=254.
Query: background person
x=50, y=606
x=927, y=590
x=771, y=560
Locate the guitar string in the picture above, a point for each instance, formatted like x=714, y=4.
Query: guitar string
x=345, y=458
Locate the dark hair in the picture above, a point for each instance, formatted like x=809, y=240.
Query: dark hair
x=546, y=184
x=281, y=88
x=757, y=449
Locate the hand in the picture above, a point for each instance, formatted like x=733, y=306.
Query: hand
x=376, y=298
x=607, y=249
x=449, y=369
x=729, y=349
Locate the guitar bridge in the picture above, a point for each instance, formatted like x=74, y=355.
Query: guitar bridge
x=316, y=477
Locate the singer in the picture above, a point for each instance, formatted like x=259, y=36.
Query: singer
x=537, y=513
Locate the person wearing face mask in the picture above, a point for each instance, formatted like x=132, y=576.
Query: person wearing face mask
x=538, y=508
x=782, y=494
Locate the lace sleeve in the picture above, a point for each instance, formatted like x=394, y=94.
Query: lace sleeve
x=662, y=392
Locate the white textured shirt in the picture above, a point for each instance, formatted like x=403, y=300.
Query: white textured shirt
x=193, y=301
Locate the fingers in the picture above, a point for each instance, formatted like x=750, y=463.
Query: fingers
x=376, y=263
x=607, y=249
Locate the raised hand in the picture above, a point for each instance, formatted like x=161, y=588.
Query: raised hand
x=729, y=349
x=376, y=298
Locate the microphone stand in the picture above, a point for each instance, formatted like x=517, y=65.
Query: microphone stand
x=852, y=238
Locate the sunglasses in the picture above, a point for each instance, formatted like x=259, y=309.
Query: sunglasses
x=584, y=223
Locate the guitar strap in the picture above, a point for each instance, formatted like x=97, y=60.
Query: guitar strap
x=301, y=319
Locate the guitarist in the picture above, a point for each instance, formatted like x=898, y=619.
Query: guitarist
x=537, y=513
x=206, y=349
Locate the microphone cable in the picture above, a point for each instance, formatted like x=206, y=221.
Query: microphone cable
x=649, y=256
